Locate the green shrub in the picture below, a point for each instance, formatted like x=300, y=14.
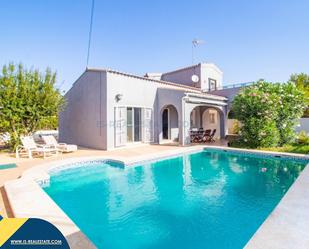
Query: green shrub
x=48, y=123
x=259, y=134
x=302, y=82
x=28, y=101
x=236, y=127
x=268, y=113
x=303, y=138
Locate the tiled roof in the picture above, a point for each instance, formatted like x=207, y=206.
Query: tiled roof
x=173, y=85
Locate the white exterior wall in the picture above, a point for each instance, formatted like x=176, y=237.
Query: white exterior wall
x=89, y=118
x=210, y=71
x=136, y=93
x=167, y=97
x=173, y=124
x=83, y=120
x=196, y=121
x=183, y=76
x=303, y=125
x=140, y=93
x=229, y=93
x=204, y=71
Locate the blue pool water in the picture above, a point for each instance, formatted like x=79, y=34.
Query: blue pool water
x=210, y=199
x=7, y=166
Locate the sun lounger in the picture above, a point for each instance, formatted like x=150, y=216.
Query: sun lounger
x=62, y=147
x=29, y=147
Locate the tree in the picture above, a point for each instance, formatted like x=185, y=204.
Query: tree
x=302, y=82
x=268, y=113
x=27, y=99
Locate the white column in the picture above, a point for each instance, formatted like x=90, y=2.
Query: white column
x=185, y=123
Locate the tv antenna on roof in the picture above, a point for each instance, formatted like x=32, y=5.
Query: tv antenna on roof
x=195, y=43
x=195, y=78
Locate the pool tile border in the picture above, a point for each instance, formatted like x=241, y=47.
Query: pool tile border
x=82, y=164
x=262, y=154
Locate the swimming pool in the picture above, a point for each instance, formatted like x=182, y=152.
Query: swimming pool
x=209, y=199
x=7, y=166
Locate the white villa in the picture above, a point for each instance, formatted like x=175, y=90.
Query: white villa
x=108, y=109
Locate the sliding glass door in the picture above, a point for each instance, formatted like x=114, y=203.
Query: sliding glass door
x=134, y=124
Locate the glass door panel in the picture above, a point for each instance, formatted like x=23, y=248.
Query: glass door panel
x=129, y=125
x=137, y=124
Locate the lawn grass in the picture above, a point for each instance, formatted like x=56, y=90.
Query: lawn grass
x=293, y=148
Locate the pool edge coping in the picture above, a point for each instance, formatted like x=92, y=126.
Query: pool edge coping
x=27, y=193
x=287, y=226
x=41, y=172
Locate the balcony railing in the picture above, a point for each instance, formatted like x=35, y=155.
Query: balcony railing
x=244, y=84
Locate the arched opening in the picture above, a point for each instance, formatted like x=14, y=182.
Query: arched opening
x=170, y=129
x=231, y=114
x=209, y=120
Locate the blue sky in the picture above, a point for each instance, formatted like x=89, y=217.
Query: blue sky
x=248, y=40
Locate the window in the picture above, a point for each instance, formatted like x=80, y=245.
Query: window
x=212, y=118
x=212, y=84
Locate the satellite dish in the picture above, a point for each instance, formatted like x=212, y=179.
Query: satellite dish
x=195, y=78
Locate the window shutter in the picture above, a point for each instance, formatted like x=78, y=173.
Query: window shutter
x=120, y=126
x=147, y=125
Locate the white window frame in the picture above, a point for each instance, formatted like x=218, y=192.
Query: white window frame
x=142, y=125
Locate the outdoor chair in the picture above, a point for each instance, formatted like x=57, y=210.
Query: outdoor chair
x=29, y=147
x=62, y=147
x=201, y=131
x=194, y=135
x=205, y=137
x=211, y=137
